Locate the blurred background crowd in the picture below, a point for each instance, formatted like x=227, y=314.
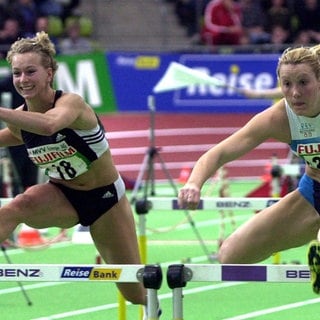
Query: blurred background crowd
x=250, y=22
x=80, y=27
x=59, y=18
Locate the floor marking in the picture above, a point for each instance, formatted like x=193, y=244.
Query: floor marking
x=31, y=287
x=275, y=309
x=115, y=305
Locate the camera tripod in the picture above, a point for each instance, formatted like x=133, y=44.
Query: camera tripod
x=147, y=167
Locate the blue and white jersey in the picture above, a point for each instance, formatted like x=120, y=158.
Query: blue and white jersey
x=67, y=153
x=305, y=134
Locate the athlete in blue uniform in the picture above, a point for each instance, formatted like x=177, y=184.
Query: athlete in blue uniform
x=295, y=219
x=64, y=137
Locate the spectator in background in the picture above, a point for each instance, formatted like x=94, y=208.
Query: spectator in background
x=278, y=15
x=9, y=34
x=188, y=13
x=49, y=7
x=58, y=8
x=26, y=12
x=3, y=14
x=253, y=21
x=222, y=23
x=307, y=13
x=302, y=38
x=280, y=37
x=74, y=43
x=68, y=8
x=25, y=172
x=42, y=24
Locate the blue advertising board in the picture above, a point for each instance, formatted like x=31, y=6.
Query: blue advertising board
x=134, y=76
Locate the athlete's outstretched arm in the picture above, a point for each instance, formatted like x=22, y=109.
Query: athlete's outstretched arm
x=270, y=123
x=7, y=138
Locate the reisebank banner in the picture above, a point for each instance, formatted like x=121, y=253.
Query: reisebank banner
x=123, y=82
x=135, y=75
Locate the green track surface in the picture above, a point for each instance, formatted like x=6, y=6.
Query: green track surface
x=171, y=239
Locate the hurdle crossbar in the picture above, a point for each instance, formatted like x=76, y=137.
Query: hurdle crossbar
x=133, y=273
x=247, y=272
x=178, y=275
x=81, y=273
x=71, y=273
x=211, y=203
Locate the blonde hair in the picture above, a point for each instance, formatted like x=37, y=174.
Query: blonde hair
x=40, y=44
x=307, y=55
x=316, y=49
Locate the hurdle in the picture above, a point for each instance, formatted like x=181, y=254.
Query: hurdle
x=178, y=275
x=149, y=275
x=144, y=205
x=208, y=203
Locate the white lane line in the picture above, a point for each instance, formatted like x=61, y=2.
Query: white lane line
x=31, y=287
x=115, y=305
x=274, y=310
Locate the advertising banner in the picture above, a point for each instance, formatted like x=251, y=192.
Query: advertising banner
x=85, y=74
x=88, y=76
x=134, y=76
x=124, y=81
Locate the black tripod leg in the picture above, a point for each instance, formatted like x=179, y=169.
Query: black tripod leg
x=18, y=282
x=138, y=182
x=168, y=175
x=146, y=167
x=150, y=177
x=187, y=213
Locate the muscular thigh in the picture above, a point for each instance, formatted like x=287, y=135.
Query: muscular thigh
x=114, y=234
x=44, y=205
x=288, y=223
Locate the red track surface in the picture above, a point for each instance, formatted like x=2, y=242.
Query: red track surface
x=181, y=139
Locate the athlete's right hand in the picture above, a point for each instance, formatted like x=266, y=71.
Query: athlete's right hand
x=189, y=196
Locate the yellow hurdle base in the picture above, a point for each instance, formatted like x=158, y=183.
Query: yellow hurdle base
x=276, y=258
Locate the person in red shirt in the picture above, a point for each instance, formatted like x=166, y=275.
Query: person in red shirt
x=222, y=23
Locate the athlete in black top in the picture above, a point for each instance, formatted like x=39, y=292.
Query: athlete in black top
x=64, y=137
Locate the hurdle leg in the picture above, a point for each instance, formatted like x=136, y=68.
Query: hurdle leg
x=177, y=304
x=152, y=280
x=152, y=304
x=141, y=208
x=276, y=174
x=177, y=279
x=122, y=308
